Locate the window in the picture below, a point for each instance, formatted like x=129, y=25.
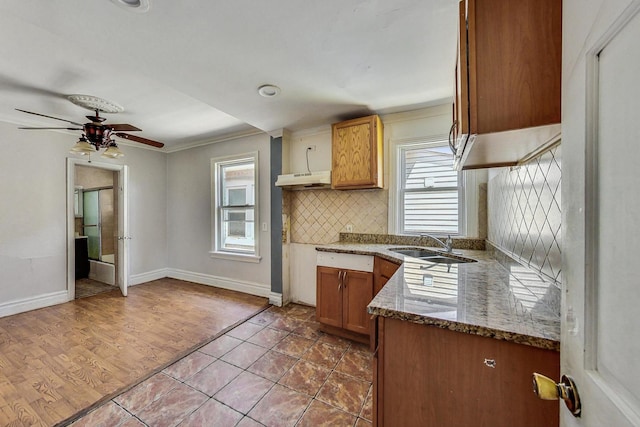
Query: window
x=234, y=184
x=428, y=190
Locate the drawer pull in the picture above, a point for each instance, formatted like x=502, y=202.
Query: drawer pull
x=490, y=363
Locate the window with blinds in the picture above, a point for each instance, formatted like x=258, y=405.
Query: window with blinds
x=429, y=189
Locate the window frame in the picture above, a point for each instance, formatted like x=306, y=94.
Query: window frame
x=396, y=207
x=218, y=208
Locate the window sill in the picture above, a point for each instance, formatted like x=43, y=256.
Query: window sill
x=235, y=257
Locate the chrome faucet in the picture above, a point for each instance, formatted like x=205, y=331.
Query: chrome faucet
x=446, y=245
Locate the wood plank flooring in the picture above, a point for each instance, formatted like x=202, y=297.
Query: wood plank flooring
x=58, y=361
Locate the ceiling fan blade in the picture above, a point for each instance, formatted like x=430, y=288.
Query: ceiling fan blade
x=140, y=139
x=13, y=85
x=123, y=127
x=50, y=117
x=27, y=128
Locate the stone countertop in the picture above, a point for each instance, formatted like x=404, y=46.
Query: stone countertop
x=482, y=298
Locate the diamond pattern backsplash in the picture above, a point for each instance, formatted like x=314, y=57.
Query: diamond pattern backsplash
x=318, y=216
x=524, y=213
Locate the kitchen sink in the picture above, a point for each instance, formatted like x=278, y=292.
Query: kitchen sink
x=415, y=252
x=432, y=256
x=446, y=259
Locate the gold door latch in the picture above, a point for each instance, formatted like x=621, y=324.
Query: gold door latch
x=547, y=389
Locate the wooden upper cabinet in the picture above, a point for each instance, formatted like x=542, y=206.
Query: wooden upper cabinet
x=514, y=63
x=508, y=77
x=461, y=99
x=357, y=154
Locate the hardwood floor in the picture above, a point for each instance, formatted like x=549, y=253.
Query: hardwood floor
x=58, y=361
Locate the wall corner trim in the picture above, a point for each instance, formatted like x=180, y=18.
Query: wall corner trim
x=275, y=299
x=137, y=279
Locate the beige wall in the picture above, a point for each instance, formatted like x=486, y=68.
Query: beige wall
x=89, y=177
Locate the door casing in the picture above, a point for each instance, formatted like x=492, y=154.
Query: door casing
x=122, y=270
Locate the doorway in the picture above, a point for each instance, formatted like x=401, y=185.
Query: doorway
x=97, y=249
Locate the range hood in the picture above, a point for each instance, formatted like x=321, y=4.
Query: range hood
x=304, y=180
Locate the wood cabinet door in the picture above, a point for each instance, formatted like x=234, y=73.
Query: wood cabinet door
x=461, y=100
x=329, y=296
x=436, y=377
x=382, y=272
x=358, y=293
x=514, y=59
x=357, y=154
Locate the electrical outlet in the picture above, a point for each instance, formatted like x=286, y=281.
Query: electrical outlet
x=349, y=228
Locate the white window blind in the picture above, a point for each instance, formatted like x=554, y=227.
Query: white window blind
x=429, y=189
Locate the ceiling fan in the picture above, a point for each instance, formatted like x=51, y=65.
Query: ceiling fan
x=96, y=133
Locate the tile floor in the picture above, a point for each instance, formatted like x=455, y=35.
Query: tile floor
x=276, y=369
x=86, y=287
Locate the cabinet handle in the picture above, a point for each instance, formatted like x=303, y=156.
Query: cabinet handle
x=344, y=280
x=340, y=279
x=451, y=142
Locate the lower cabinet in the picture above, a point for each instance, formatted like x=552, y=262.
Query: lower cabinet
x=427, y=376
x=382, y=272
x=342, y=297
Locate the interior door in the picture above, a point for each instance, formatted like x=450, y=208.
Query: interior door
x=122, y=179
x=601, y=206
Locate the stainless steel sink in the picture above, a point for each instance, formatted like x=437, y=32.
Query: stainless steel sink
x=432, y=256
x=415, y=252
x=446, y=260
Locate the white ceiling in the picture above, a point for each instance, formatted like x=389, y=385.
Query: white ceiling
x=188, y=71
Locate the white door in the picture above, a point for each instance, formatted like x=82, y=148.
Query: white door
x=601, y=210
x=123, y=231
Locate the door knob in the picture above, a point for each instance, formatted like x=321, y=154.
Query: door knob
x=547, y=389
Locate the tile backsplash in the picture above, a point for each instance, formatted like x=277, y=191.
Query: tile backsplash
x=318, y=216
x=524, y=216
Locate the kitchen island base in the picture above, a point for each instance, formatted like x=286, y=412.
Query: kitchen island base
x=428, y=376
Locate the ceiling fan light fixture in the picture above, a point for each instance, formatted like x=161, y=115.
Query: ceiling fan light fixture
x=269, y=91
x=82, y=147
x=138, y=6
x=112, y=151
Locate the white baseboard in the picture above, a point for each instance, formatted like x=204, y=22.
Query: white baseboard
x=259, y=289
x=33, y=303
x=137, y=279
x=275, y=299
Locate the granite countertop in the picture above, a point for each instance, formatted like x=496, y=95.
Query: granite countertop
x=485, y=298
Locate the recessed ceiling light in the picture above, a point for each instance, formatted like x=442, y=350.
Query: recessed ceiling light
x=139, y=6
x=268, y=91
